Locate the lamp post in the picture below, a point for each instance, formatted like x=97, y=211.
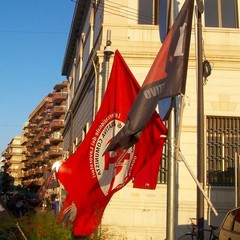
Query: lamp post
x=107, y=54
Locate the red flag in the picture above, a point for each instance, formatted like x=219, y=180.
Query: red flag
x=90, y=177
x=166, y=78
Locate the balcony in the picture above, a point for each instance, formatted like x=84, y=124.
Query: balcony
x=55, y=151
x=56, y=137
x=35, y=140
x=45, y=155
x=59, y=97
x=42, y=135
x=26, y=132
x=38, y=118
x=57, y=110
x=31, y=172
x=24, y=140
x=31, y=135
x=40, y=146
x=38, y=170
x=46, y=143
x=60, y=86
x=8, y=163
x=39, y=159
x=7, y=155
x=43, y=123
x=24, y=174
x=36, y=130
x=32, y=125
x=48, y=106
x=56, y=124
x=28, y=164
x=48, y=117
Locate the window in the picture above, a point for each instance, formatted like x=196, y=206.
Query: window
x=148, y=12
x=223, y=144
x=85, y=130
x=221, y=13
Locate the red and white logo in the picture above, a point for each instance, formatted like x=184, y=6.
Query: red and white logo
x=114, y=168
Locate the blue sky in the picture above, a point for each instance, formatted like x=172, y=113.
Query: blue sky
x=33, y=39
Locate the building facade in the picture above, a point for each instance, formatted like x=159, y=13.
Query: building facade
x=13, y=161
x=42, y=139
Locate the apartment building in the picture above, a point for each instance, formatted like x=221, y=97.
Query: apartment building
x=132, y=28
x=42, y=140
x=13, y=161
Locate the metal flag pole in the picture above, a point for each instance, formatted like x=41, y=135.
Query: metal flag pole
x=171, y=180
x=180, y=156
x=200, y=120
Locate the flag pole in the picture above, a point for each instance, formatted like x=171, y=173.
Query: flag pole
x=171, y=180
x=200, y=120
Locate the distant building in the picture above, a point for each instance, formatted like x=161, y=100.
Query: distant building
x=2, y=160
x=42, y=136
x=13, y=163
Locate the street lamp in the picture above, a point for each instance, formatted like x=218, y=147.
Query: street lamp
x=107, y=53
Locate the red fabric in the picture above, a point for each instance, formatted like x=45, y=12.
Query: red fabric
x=147, y=177
x=90, y=177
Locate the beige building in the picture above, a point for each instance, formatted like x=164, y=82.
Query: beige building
x=132, y=28
x=13, y=163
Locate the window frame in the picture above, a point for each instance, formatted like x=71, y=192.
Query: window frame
x=219, y=15
x=145, y=18
x=222, y=144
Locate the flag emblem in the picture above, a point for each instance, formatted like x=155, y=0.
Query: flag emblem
x=110, y=169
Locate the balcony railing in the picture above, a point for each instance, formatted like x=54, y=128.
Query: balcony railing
x=45, y=155
x=58, y=97
x=55, y=137
x=60, y=86
x=49, y=105
x=57, y=110
x=54, y=151
x=57, y=123
x=39, y=118
x=46, y=143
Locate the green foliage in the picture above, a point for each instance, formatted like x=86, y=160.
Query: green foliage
x=44, y=226
x=107, y=234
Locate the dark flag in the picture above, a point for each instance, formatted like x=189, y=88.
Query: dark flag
x=90, y=177
x=166, y=78
x=49, y=183
x=165, y=6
